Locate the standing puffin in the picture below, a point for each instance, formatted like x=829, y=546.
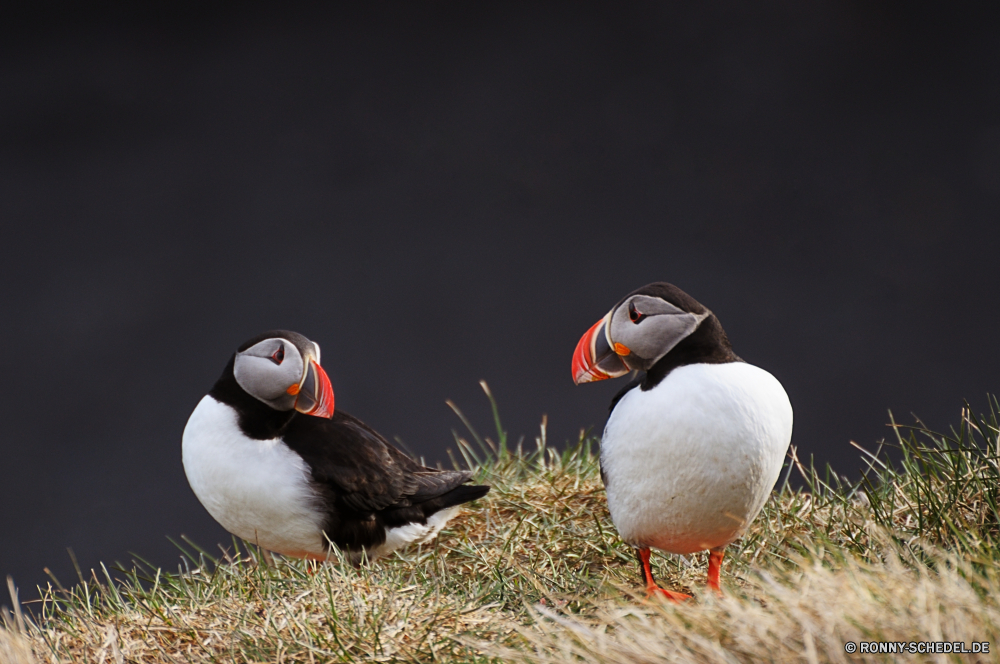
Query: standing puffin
x=693, y=446
x=272, y=461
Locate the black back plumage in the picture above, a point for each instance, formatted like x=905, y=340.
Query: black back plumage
x=363, y=483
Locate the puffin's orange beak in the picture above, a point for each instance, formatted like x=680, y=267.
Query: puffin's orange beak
x=594, y=359
x=315, y=394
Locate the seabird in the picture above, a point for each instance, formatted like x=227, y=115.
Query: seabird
x=273, y=462
x=693, y=445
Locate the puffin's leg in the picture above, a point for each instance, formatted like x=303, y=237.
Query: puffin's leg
x=647, y=576
x=714, y=567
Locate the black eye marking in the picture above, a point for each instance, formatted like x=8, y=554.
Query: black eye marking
x=634, y=314
x=279, y=355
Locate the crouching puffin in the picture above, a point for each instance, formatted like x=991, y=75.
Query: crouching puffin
x=275, y=464
x=693, y=446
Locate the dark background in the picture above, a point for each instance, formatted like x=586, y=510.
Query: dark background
x=439, y=194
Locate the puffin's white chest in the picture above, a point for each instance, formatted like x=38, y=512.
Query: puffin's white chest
x=690, y=463
x=257, y=489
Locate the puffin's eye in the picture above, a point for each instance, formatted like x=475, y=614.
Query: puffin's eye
x=634, y=314
x=279, y=355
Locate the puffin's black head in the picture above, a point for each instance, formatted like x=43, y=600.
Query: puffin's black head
x=638, y=331
x=281, y=369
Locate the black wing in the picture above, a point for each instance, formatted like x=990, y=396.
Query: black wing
x=366, y=483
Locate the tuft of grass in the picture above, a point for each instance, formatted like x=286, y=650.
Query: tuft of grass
x=15, y=644
x=535, y=572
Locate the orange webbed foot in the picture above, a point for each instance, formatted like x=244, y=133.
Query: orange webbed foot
x=671, y=595
x=653, y=590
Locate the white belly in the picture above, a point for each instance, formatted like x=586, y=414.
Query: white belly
x=257, y=489
x=690, y=463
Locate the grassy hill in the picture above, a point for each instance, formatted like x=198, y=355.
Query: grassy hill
x=535, y=573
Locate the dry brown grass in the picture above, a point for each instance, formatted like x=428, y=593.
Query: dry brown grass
x=535, y=573
x=805, y=616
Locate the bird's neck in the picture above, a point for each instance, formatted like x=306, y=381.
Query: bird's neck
x=706, y=345
x=256, y=419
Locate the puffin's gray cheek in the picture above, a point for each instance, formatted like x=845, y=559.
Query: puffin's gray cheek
x=636, y=363
x=258, y=379
x=283, y=402
x=657, y=335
